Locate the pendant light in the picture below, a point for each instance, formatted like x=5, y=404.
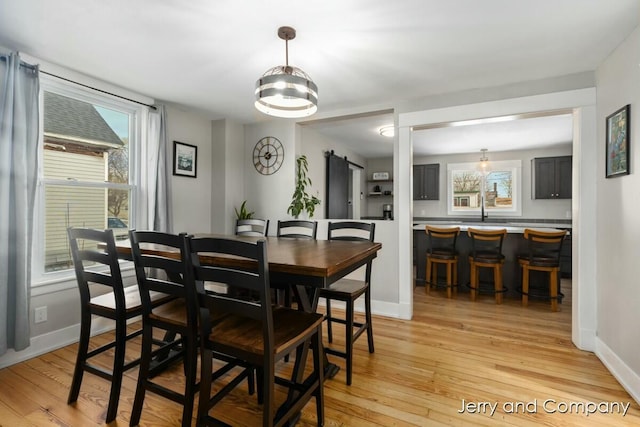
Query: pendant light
x=286, y=91
x=484, y=161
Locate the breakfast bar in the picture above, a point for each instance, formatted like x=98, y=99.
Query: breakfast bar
x=513, y=244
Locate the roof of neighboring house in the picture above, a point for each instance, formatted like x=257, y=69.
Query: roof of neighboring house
x=76, y=121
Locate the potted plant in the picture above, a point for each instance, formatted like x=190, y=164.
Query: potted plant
x=243, y=213
x=301, y=200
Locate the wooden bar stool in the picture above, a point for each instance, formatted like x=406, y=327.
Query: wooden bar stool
x=442, y=251
x=486, y=252
x=543, y=255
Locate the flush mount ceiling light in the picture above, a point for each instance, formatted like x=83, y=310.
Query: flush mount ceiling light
x=286, y=91
x=388, y=131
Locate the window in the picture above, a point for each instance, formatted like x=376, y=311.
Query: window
x=87, y=176
x=498, y=189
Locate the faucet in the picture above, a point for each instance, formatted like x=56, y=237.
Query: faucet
x=482, y=214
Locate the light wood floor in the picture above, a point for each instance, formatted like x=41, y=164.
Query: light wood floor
x=422, y=370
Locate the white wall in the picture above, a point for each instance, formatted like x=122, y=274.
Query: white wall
x=618, y=228
x=531, y=208
x=191, y=197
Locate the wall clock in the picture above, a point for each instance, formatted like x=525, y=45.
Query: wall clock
x=268, y=155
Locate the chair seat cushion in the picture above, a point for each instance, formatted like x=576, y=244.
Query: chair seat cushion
x=344, y=289
x=487, y=257
x=444, y=255
x=539, y=261
x=234, y=332
x=132, y=300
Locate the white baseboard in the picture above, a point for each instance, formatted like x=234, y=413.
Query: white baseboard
x=51, y=341
x=625, y=375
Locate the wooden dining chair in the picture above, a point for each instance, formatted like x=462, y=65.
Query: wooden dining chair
x=252, y=227
x=161, y=273
x=252, y=330
x=543, y=254
x=348, y=291
x=96, y=265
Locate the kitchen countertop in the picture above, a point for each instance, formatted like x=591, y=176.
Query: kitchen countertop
x=511, y=227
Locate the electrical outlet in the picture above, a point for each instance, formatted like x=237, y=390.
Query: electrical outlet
x=41, y=314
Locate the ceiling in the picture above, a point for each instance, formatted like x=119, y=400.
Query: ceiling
x=207, y=55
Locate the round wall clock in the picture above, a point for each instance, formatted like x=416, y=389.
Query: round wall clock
x=268, y=155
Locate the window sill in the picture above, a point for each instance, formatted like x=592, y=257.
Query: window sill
x=63, y=281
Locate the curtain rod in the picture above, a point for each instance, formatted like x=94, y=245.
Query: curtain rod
x=96, y=89
x=33, y=67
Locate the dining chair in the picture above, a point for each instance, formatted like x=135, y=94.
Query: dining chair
x=348, y=291
x=252, y=330
x=543, y=254
x=96, y=266
x=252, y=227
x=160, y=273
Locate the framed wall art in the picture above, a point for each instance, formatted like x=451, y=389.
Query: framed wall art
x=617, y=160
x=185, y=159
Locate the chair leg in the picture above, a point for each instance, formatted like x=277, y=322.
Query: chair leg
x=190, y=365
x=329, y=328
x=427, y=283
x=472, y=280
x=367, y=313
x=349, y=340
x=319, y=368
x=206, y=367
x=81, y=359
x=118, y=363
x=449, y=279
x=553, y=289
x=454, y=284
x=525, y=285
x=497, y=282
x=143, y=375
x=268, y=384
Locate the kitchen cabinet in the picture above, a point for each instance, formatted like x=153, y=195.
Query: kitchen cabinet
x=551, y=177
x=426, y=182
x=565, y=257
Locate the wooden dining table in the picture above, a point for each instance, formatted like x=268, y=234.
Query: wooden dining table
x=307, y=265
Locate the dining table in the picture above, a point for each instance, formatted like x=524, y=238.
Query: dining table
x=306, y=265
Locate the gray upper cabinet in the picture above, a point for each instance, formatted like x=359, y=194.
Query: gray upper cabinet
x=551, y=177
x=426, y=182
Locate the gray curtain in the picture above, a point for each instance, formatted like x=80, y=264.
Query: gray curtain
x=155, y=191
x=19, y=86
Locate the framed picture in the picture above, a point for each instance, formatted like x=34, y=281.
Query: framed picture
x=617, y=161
x=185, y=159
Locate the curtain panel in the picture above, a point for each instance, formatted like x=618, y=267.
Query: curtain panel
x=19, y=94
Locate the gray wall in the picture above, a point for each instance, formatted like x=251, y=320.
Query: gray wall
x=618, y=228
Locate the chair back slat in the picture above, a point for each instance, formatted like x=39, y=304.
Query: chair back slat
x=442, y=239
x=351, y=231
x=162, y=273
x=544, y=247
x=91, y=256
x=252, y=227
x=298, y=229
x=486, y=243
x=248, y=294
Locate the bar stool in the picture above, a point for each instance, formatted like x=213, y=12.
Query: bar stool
x=442, y=251
x=486, y=252
x=543, y=254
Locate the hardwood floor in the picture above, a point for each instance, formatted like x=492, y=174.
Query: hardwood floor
x=422, y=370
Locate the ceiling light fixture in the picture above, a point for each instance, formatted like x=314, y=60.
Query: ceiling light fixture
x=286, y=91
x=388, y=131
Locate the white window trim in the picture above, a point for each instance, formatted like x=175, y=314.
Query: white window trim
x=139, y=116
x=516, y=169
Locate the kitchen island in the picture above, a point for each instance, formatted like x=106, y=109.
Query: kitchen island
x=513, y=244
